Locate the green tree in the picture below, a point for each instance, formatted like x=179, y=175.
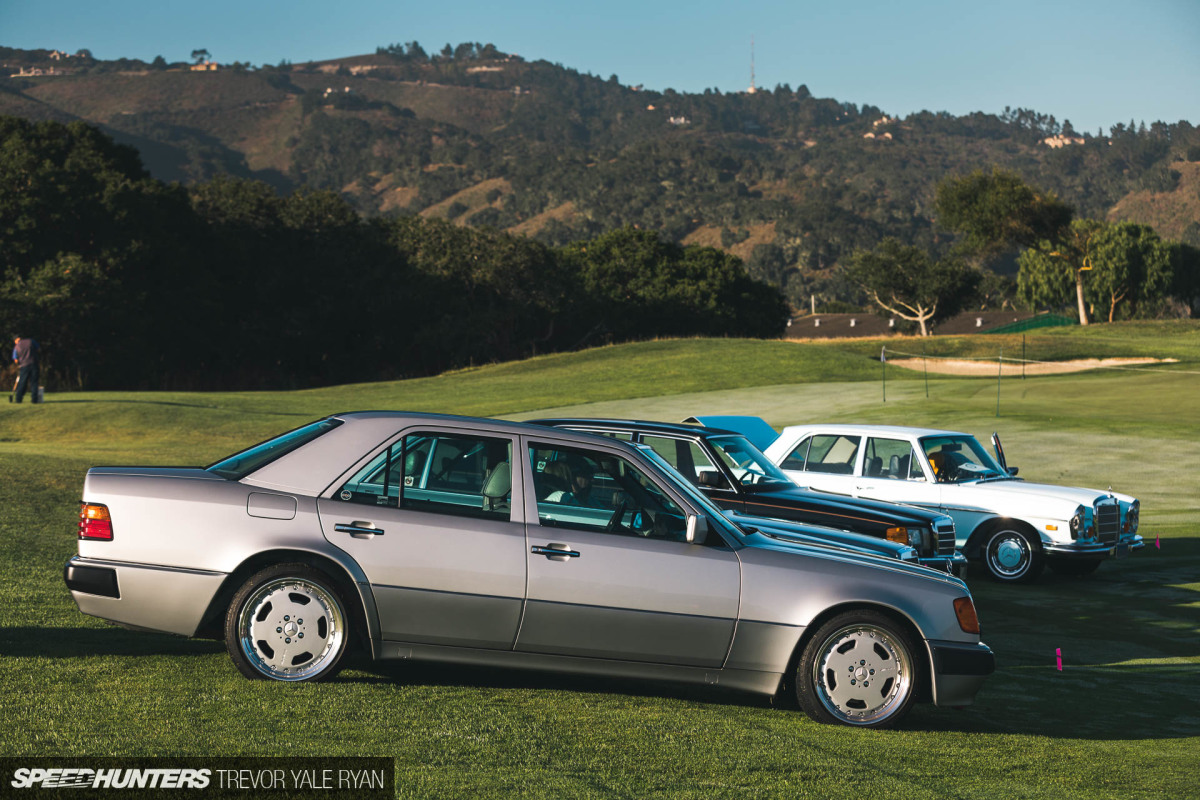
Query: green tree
x=1132, y=268
x=905, y=281
x=1048, y=272
x=997, y=211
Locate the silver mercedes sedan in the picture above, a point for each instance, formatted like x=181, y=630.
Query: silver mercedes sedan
x=479, y=541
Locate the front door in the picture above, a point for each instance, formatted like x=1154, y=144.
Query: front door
x=892, y=472
x=610, y=574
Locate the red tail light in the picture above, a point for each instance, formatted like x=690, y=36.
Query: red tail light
x=94, y=522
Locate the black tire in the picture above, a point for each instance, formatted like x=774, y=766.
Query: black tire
x=860, y=668
x=1011, y=555
x=1074, y=566
x=271, y=615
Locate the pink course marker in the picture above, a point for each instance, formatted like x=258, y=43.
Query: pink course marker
x=1157, y=546
x=1058, y=657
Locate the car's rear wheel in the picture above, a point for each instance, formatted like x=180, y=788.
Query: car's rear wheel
x=287, y=623
x=860, y=669
x=1010, y=556
x=1075, y=566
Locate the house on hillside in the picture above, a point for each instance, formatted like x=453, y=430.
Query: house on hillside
x=1061, y=140
x=205, y=66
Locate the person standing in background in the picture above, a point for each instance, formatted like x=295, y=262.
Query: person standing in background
x=26, y=354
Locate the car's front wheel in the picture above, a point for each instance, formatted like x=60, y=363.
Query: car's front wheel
x=860, y=668
x=1010, y=556
x=287, y=623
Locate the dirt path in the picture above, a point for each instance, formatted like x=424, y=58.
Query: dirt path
x=949, y=366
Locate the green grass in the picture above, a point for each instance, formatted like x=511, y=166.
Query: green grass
x=1120, y=720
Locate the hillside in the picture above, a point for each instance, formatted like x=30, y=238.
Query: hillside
x=789, y=182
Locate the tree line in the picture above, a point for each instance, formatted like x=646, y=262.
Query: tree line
x=1104, y=271
x=130, y=282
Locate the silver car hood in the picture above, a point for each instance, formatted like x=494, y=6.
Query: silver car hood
x=761, y=541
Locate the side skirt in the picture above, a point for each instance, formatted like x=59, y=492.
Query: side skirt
x=766, y=683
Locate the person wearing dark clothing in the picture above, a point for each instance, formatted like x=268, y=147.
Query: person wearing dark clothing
x=26, y=354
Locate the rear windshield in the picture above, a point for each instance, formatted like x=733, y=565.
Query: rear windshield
x=239, y=465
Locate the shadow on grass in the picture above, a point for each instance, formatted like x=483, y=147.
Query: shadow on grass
x=43, y=642
x=1093, y=703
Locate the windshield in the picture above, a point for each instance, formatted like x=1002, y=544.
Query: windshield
x=239, y=465
x=960, y=459
x=715, y=514
x=749, y=466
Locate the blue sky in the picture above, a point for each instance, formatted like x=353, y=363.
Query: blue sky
x=1096, y=62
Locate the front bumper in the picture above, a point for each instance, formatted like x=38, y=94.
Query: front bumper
x=959, y=670
x=955, y=564
x=1123, y=546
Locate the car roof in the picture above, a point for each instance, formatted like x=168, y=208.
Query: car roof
x=642, y=426
x=310, y=469
x=892, y=430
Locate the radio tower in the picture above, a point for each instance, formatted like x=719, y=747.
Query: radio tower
x=751, y=90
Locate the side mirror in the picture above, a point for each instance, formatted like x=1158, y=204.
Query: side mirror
x=712, y=480
x=697, y=529
x=1013, y=471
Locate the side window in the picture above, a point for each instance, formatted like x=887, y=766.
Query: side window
x=591, y=491
x=689, y=459
x=443, y=473
x=796, y=458
x=833, y=454
x=891, y=458
x=622, y=435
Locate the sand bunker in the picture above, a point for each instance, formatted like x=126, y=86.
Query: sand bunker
x=949, y=366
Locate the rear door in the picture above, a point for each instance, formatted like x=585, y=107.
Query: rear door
x=430, y=520
x=610, y=574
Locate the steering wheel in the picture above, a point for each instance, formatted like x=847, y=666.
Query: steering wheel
x=614, y=522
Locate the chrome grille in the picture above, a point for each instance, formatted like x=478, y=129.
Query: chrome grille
x=945, y=537
x=1108, y=521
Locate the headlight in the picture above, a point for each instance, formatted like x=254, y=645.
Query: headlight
x=1132, y=517
x=1077, y=521
x=917, y=537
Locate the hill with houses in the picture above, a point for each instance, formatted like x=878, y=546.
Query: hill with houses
x=790, y=182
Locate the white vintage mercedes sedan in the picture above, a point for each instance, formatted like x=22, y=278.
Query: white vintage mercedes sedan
x=1012, y=527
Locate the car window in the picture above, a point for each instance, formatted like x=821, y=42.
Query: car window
x=891, y=458
x=593, y=491
x=960, y=459
x=689, y=460
x=795, y=459
x=239, y=465
x=832, y=453
x=443, y=473
x=748, y=465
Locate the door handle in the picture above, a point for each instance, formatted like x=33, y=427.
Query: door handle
x=359, y=530
x=554, y=551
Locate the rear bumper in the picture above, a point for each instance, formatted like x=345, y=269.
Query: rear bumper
x=959, y=670
x=168, y=599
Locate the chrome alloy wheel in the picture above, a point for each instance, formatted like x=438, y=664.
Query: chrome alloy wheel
x=863, y=674
x=291, y=629
x=1009, y=555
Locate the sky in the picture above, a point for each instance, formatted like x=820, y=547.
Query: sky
x=1094, y=62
